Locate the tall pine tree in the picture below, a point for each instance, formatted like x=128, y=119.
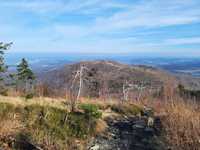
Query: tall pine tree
x=25, y=76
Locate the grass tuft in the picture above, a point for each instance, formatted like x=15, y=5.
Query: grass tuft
x=127, y=109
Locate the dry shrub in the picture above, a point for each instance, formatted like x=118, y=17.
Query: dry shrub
x=101, y=126
x=180, y=120
x=13, y=92
x=182, y=125
x=9, y=127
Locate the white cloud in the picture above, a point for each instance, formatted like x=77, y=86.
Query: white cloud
x=106, y=19
x=151, y=14
x=146, y=14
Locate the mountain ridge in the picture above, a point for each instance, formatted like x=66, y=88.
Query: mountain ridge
x=103, y=75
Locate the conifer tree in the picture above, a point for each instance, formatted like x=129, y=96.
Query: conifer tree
x=25, y=76
x=3, y=67
x=3, y=47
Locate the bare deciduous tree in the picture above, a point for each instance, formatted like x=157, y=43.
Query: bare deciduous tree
x=127, y=87
x=73, y=96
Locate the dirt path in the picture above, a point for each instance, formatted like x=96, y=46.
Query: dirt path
x=130, y=133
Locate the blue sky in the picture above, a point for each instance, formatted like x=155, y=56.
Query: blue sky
x=165, y=27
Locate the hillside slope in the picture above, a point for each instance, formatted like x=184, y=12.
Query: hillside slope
x=106, y=78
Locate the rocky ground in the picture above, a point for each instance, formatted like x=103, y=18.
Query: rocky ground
x=130, y=133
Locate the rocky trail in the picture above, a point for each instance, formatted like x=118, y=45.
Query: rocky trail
x=130, y=133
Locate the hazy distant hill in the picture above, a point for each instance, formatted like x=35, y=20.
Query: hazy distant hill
x=45, y=62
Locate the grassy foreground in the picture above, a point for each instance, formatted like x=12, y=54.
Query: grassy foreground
x=47, y=123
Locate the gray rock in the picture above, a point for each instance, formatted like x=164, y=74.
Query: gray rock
x=138, y=126
x=95, y=147
x=128, y=134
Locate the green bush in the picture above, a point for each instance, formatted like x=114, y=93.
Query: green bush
x=79, y=126
x=59, y=124
x=56, y=125
x=29, y=96
x=91, y=110
x=44, y=117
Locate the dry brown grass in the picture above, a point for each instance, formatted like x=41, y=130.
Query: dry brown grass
x=42, y=101
x=182, y=125
x=181, y=119
x=98, y=101
x=101, y=126
x=9, y=127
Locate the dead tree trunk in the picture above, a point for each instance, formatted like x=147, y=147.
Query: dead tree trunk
x=73, y=97
x=80, y=81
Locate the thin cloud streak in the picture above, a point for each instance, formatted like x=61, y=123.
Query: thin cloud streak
x=181, y=41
